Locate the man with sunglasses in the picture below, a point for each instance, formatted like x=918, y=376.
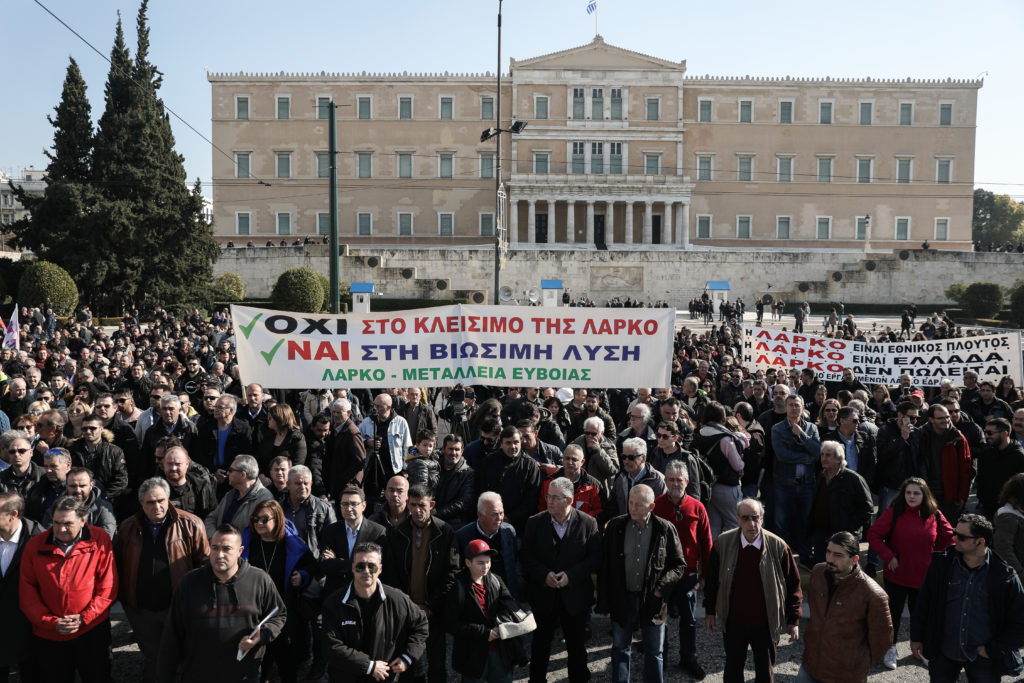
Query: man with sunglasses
x=105, y=460
x=970, y=610
x=371, y=631
x=22, y=474
x=1003, y=458
x=635, y=470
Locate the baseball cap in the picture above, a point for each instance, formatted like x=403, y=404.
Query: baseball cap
x=479, y=547
x=918, y=393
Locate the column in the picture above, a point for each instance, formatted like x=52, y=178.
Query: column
x=531, y=221
x=666, y=223
x=590, y=223
x=685, y=230
x=609, y=222
x=629, y=221
x=513, y=225
x=570, y=221
x=648, y=212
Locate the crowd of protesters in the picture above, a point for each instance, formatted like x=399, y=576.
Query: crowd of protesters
x=253, y=532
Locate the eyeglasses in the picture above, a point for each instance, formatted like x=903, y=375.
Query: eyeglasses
x=121, y=400
x=664, y=436
x=366, y=567
x=76, y=412
x=234, y=469
x=89, y=428
x=262, y=520
x=19, y=451
x=631, y=456
x=592, y=433
x=831, y=410
x=210, y=398
x=750, y=518
x=351, y=504
x=962, y=537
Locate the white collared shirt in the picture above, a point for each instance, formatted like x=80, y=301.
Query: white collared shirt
x=9, y=548
x=757, y=542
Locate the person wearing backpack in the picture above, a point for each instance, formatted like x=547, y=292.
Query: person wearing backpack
x=905, y=536
x=722, y=448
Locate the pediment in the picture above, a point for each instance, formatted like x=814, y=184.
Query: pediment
x=598, y=55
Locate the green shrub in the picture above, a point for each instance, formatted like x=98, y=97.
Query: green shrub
x=42, y=280
x=228, y=287
x=982, y=299
x=325, y=284
x=1016, y=297
x=299, y=290
x=955, y=292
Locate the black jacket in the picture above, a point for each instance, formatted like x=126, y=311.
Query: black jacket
x=442, y=563
x=14, y=646
x=867, y=456
x=1005, y=610
x=517, y=480
x=849, y=501
x=578, y=554
x=400, y=628
x=184, y=431
x=664, y=567
x=108, y=466
x=895, y=456
x=34, y=475
x=338, y=570
x=995, y=467
x=464, y=619
x=204, y=448
x=455, y=495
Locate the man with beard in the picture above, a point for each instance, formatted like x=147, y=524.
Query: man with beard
x=943, y=459
x=387, y=440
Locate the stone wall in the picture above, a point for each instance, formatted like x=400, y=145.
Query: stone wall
x=671, y=275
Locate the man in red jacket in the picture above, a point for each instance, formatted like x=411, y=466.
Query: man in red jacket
x=68, y=581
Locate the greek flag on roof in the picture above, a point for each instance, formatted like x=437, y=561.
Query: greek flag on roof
x=591, y=6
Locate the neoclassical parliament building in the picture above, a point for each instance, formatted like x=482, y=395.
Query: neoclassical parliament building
x=621, y=151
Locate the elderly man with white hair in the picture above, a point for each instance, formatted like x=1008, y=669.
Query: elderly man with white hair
x=635, y=470
x=842, y=500
x=387, y=440
x=600, y=458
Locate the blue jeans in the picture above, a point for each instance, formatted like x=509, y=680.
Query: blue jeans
x=793, y=504
x=494, y=670
x=685, y=599
x=803, y=677
x=622, y=636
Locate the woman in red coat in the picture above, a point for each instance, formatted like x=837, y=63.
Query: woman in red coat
x=906, y=534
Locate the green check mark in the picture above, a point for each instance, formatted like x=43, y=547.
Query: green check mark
x=269, y=355
x=247, y=329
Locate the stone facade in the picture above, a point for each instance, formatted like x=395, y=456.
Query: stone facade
x=623, y=151
x=674, y=276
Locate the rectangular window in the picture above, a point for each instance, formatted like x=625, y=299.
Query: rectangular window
x=405, y=223
x=903, y=170
x=405, y=108
x=542, y=163
x=364, y=223
x=242, y=164
x=785, y=169
x=323, y=165
x=597, y=104
x=862, y=228
x=863, y=170
x=446, y=224
x=902, y=228
x=284, y=108
x=743, y=227
x=941, y=229
x=867, y=110
x=445, y=164
x=786, y=111
x=284, y=224
x=540, y=105
x=284, y=165
x=746, y=111
x=597, y=157
x=616, y=111
x=323, y=108
x=578, y=152
x=487, y=225
x=323, y=224
x=824, y=170
x=704, y=111
x=825, y=112
x=486, y=108
x=946, y=115
x=615, y=158
x=577, y=103
x=364, y=107
x=704, y=168
x=824, y=227
x=404, y=165
x=782, y=225
x=906, y=113
x=652, y=164
x=447, y=105
x=364, y=159
x=653, y=109
x=704, y=227
x=744, y=170
x=486, y=165
x=242, y=223
x=942, y=171
x=242, y=108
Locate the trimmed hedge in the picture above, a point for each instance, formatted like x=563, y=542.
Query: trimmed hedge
x=982, y=299
x=298, y=290
x=228, y=287
x=42, y=280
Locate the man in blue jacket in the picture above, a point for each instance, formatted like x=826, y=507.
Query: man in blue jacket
x=797, y=447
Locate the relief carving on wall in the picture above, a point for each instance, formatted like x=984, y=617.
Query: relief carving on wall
x=604, y=278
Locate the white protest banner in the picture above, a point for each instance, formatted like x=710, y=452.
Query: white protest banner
x=448, y=345
x=928, y=362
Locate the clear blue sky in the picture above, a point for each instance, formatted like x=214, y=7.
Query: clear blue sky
x=881, y=39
